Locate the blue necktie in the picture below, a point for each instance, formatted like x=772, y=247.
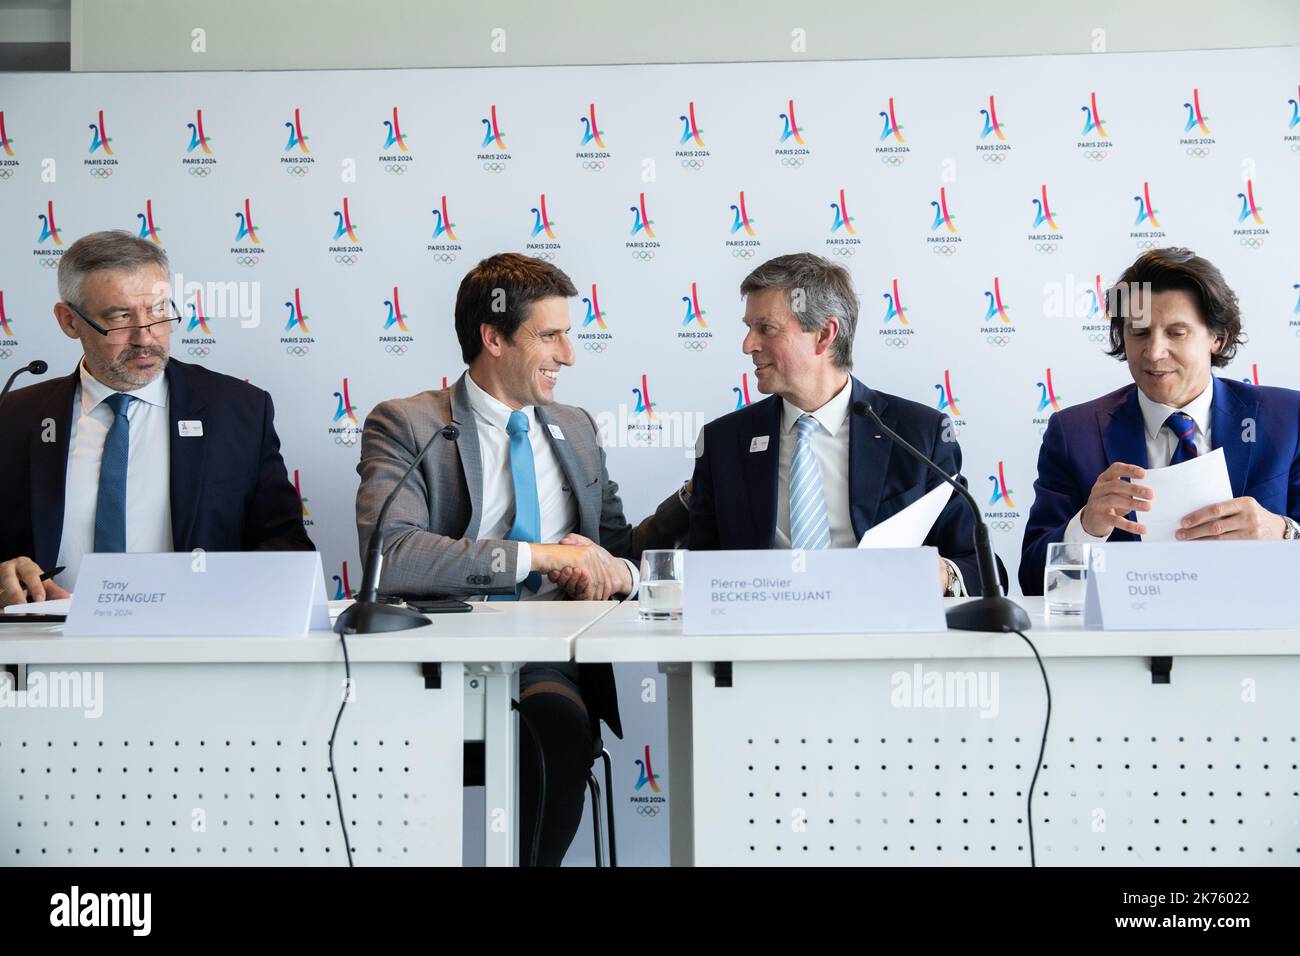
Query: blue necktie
x=1182, y=425
x=810, y=525
x=528, y=512
x=110, y=505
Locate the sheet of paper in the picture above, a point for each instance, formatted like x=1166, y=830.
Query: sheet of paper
x=1181, y=489
x=59, y=606
x=908, y=528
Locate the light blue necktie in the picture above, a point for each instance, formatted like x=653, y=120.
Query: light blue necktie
x=810, y=524
x=110, y=505
x=528, y=512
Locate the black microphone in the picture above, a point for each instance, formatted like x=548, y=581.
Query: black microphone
x=36, y=368
x=991, y=611
x=367, y=615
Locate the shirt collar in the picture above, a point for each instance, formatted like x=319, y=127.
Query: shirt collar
x=94, y=392
x=1154, y=415
x=830, y=416
x=490, y=409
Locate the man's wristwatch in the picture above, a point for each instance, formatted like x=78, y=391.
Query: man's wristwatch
x=1292, y=530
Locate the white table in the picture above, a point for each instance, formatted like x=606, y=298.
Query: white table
x=803, y=749
x=213, y=751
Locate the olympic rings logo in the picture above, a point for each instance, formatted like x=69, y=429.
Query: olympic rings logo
x=600, y=345
x=892, y=160
x=6, y=172
x=445, y=257
x=1046, y=247
x=1096, y=155
x=695, y=345
x=648, y=809
x=792, y=162
x=844, y=251
x=101, y=172
x=692, y=164
x=395, y=348
x=945, y=249
x=297, y=350
x=395, y=168
x=200, y=351
x=348, y=440
x=1096, y=338
x=49, y=263
x=545, y=256
x=494, y=167
x=1145, y=244
x=347, y=260
x=742, y=253
x=1001, y=525
x=1252, y=242
x=294, y=170
x=995, y=158
x=594, y=165
x=1295, y=147
x=896, y=342
x=199, y=171
x=247, y=260
x=1198, y=152
x=998, y=341
x=9, y=353
x=643, y=255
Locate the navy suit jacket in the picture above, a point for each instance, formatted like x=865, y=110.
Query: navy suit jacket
x=1083, y=441
x=229, y=488
x=733, y=495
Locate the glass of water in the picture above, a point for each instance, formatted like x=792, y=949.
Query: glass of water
x=660, y=597
x=1065, y=577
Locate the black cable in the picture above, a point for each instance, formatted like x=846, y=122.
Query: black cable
x=1042, y=748
x=338, y=797
x=541, y=783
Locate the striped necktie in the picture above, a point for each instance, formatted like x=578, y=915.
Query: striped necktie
x=810, y=525
x=1182, y=425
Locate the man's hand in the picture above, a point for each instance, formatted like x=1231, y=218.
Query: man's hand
x=14, y=574
x=1239, y=519
x=1112, y=498
x=588, y=571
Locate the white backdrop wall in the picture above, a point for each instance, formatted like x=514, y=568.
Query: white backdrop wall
x=994, y=299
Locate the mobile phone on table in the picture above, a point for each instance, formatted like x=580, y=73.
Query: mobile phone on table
x=440, y=606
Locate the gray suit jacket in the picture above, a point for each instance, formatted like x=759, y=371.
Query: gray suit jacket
x=432, y=544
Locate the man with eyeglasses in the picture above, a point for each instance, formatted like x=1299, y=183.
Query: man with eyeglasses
x=133, y=451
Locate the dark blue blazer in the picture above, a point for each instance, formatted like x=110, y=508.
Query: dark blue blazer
x=733, y=495
x=229, y=488
x=1083, y=441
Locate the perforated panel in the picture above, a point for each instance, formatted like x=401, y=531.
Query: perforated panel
x=220, y=764
x=843, y=762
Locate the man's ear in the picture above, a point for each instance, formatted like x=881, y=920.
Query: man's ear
x=492, y=339
x=67, y=320
x=827, y=334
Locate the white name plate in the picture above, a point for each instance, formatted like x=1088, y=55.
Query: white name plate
x=1192, y=585
x=199, y=594
x=836, y=591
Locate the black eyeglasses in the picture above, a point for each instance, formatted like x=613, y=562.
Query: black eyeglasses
x=121, y=333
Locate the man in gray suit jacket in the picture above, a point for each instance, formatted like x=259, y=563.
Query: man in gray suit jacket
x=520, y=507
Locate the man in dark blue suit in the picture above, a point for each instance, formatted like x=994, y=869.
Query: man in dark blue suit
x=132, y=451
x=799, y=469
x=1173, y=317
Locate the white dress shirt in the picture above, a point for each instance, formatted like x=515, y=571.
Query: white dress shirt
x=559, y=506
x=148, y=472
x=1161, y=443
x=830, y=445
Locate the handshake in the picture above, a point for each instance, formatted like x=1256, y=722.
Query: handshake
x=582, y=569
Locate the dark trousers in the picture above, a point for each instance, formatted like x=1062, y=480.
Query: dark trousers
x=556, y=713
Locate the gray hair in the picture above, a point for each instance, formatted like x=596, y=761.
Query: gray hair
x=816, y=289
x=110, y=249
